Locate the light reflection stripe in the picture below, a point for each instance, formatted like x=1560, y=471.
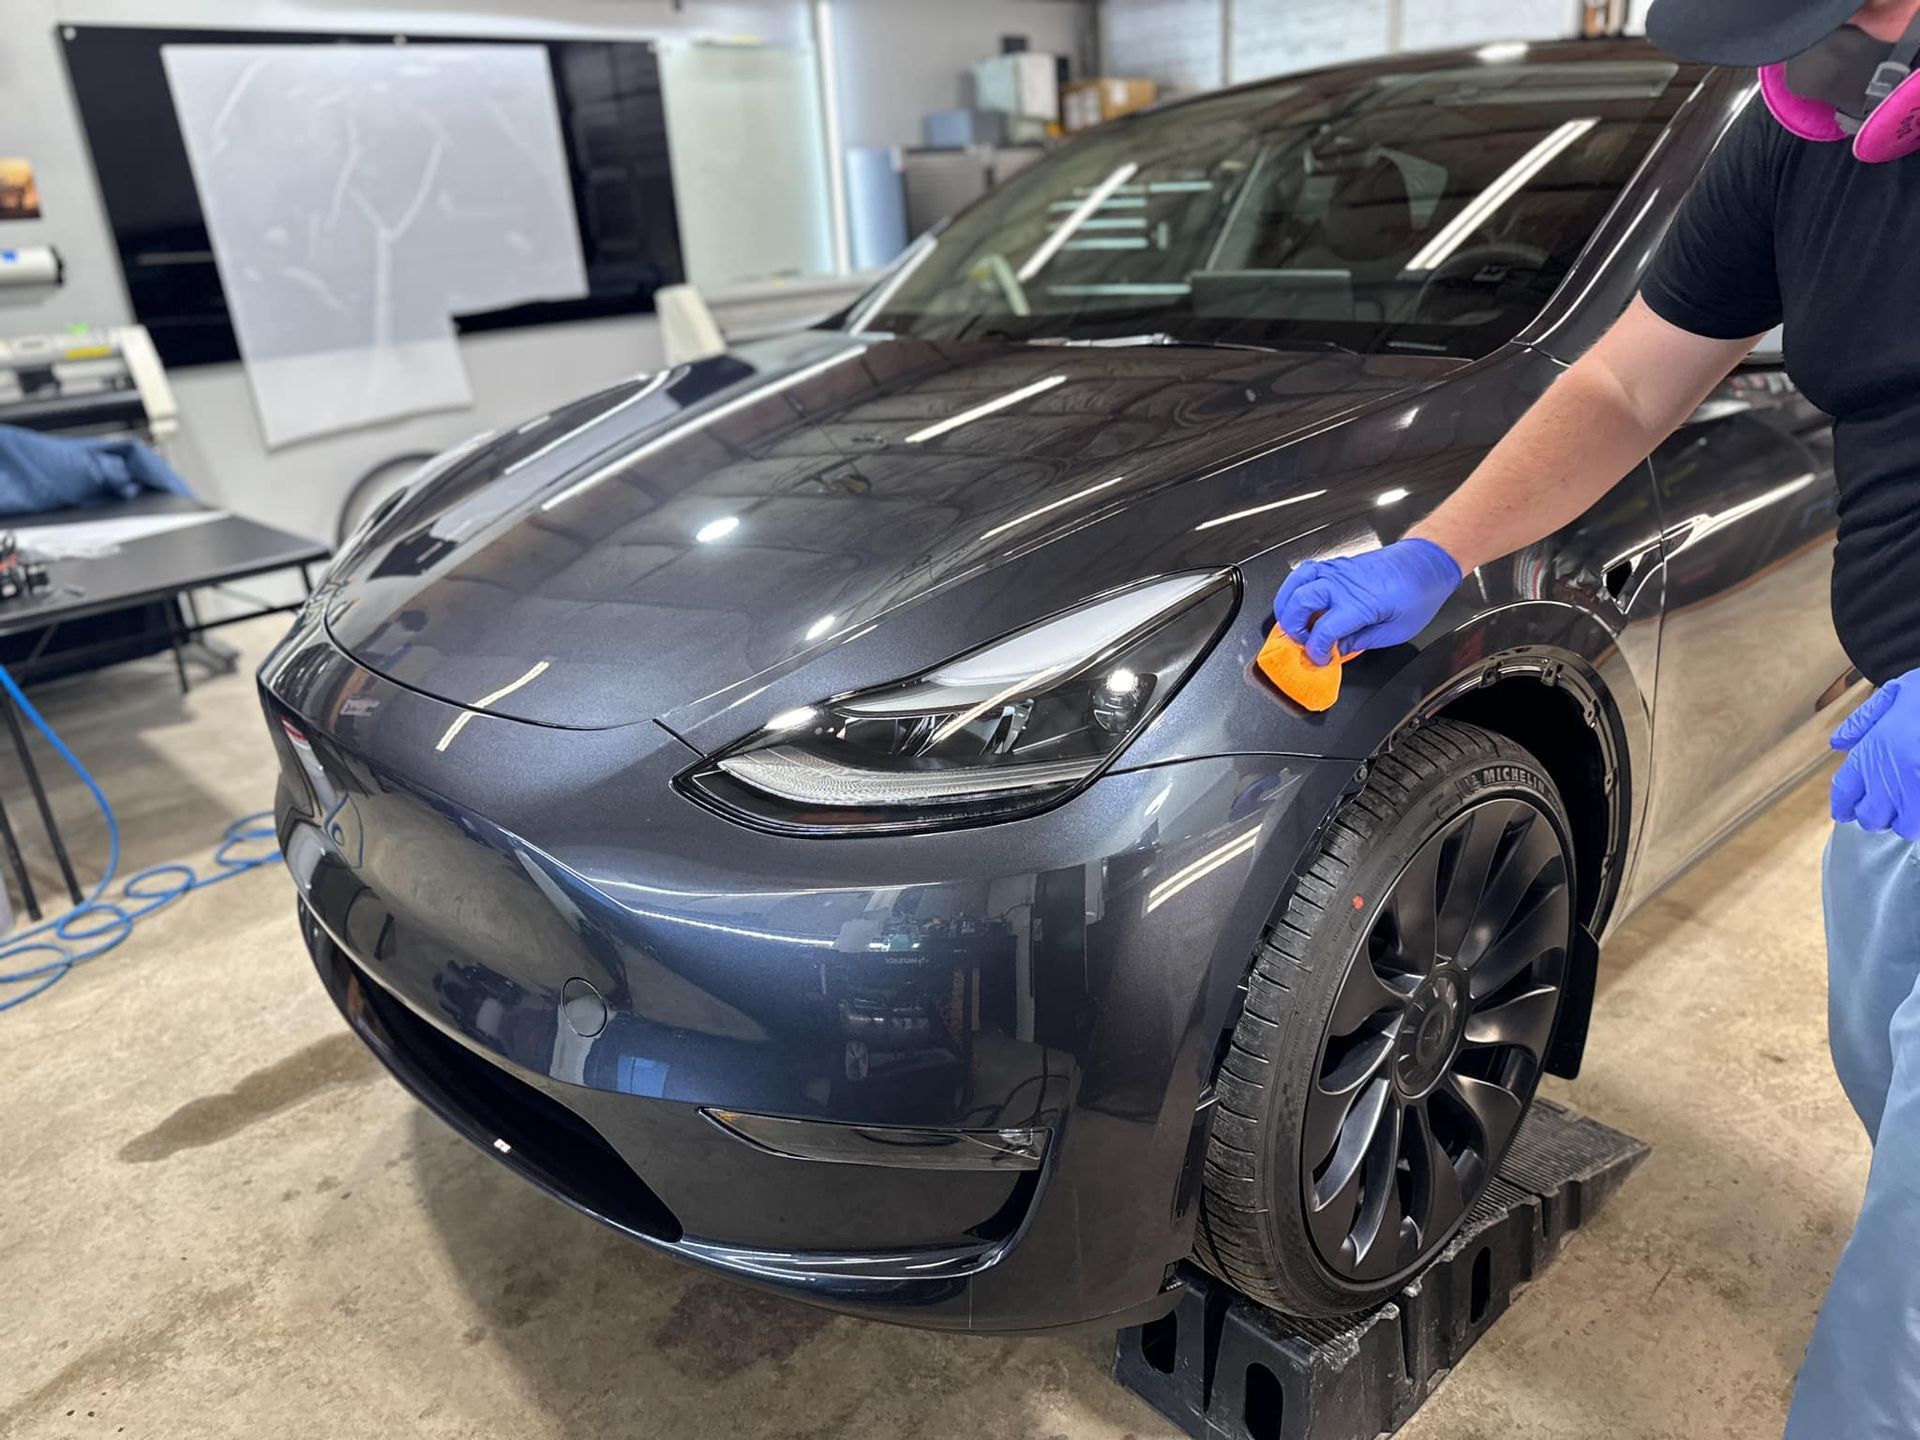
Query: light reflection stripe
x=460, y=720
x=980, y=412
x=1082, y=212
x=1053, y=505
x=1482, y=208
x=743, y=932
x=698, y=423
x=552, y=445
x=1258, y=510
x=1201, y=868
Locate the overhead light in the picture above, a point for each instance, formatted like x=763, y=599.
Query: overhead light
x=717, y=529
x=820, y=627
x=1391, y=497
x=1502, y=52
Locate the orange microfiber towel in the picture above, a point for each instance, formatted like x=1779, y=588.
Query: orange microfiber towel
x=1284, y=661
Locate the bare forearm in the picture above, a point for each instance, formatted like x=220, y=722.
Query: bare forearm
x=1568, y=451
x=1597, y=422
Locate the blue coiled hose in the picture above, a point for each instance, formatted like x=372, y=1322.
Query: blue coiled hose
x=98, y=924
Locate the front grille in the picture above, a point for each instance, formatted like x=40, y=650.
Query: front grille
x=546, y=1141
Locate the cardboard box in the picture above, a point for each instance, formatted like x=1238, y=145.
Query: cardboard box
x=1086, y=103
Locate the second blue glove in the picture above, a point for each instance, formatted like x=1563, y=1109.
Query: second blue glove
x=1878, y=788
x=1366, y=602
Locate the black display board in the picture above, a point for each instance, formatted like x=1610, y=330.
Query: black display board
x=612, y=119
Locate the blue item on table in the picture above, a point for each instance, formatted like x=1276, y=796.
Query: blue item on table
x=46, y=472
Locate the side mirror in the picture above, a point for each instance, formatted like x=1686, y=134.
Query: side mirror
x=1772, y=349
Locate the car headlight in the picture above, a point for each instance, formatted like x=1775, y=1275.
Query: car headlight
x=1000, y=731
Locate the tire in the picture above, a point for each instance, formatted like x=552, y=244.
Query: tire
x=1398, y=1062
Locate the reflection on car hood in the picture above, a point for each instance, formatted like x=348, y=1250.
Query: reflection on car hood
x=681, y=533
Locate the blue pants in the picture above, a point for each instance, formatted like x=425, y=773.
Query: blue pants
x=1861, y=1379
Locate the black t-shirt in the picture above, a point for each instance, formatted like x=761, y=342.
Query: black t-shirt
x=1777, y=228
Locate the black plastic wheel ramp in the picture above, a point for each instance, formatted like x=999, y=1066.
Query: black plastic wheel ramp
x=1222, y=1367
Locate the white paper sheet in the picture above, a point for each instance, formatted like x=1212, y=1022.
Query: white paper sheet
x=84, y=539
x=359, y=196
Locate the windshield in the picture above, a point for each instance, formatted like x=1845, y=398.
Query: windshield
x=1428, y=212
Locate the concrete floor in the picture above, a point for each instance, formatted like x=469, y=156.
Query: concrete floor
x=219, y=1217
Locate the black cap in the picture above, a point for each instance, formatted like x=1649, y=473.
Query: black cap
x=1745, y=32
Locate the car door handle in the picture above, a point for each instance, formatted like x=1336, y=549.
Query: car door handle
x=1621, y=578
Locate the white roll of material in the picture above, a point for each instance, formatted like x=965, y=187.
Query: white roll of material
x=30, y=265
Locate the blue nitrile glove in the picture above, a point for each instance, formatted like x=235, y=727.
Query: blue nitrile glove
x=54, y=472
x=1878, y=787
x=1366, y=602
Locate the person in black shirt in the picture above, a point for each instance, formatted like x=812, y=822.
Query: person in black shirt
x=1808, y=214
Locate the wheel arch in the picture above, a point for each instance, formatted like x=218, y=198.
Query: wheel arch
x=1554, y=679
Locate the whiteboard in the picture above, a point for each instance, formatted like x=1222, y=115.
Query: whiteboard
x=1279, y=37
x=1447, y=24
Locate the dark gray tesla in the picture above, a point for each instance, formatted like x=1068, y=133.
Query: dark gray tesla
x=815, y=810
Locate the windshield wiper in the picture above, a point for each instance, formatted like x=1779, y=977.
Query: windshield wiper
x=1330, y=346
x=1162, y=339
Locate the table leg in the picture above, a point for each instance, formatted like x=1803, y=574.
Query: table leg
x=40, y=797
x=174, y=639
x=19, y=866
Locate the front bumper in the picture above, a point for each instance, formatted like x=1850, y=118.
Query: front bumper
x=465, y=880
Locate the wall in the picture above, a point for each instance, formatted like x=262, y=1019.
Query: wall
x=514, y=374
x=1190, y=45
x=1176, y=42
x=899, y=59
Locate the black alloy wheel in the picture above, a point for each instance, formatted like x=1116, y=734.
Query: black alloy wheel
x=1436, y=1040
x=1396, y=1021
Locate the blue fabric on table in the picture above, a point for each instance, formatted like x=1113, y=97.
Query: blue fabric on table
x=46, y=472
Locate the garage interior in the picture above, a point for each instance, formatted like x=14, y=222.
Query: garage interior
x=224, y=1218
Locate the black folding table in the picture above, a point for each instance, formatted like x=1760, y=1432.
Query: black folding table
x=152, y=576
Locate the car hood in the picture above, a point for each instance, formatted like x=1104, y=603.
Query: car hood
x=681, y=533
